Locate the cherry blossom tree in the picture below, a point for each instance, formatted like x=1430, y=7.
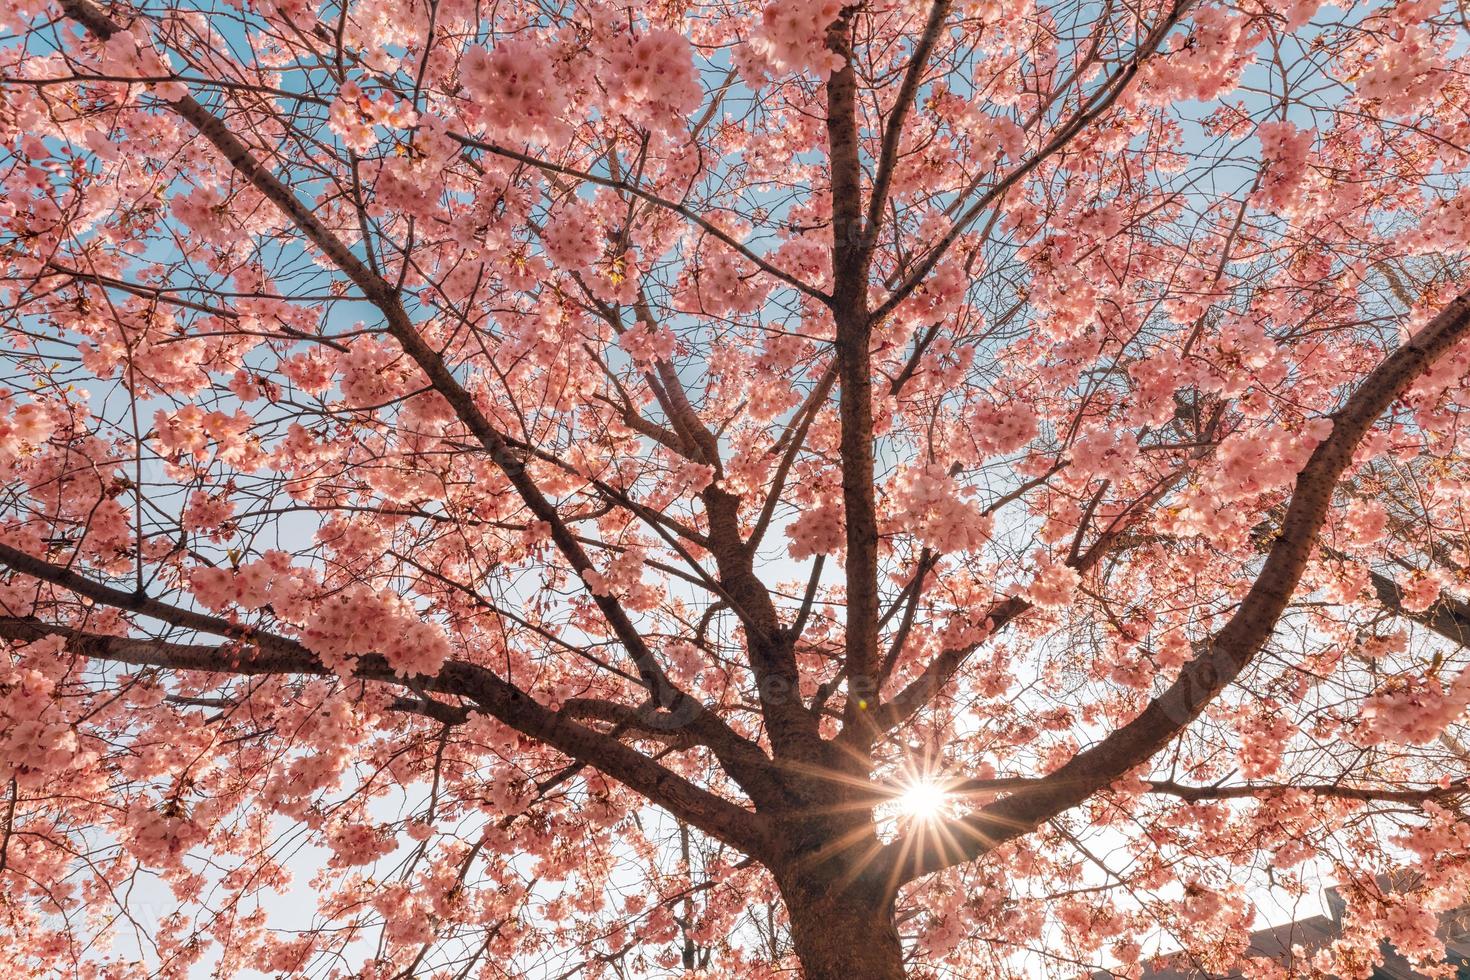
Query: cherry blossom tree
x=948, y=487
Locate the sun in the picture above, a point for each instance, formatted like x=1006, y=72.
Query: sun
x=923, y=800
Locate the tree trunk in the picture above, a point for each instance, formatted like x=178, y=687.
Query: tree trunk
x=843, y=936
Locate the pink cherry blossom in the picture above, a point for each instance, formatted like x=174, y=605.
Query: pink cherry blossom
x=759, y=490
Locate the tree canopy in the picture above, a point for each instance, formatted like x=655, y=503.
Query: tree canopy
x=968, y=488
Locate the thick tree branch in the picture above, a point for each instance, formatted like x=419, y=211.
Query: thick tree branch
x=1366, y=794
x=1020, y=785
x=263, y=653
x=854, y=328
x=1225, y=655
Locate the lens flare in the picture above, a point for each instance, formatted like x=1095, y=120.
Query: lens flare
x=923, y=800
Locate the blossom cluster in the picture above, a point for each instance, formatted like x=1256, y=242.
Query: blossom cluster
x=516, y=88
x=929, y=504
x=792, y=36
x=1413, y=710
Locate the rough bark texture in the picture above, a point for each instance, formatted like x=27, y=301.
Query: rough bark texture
x=843, y=933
